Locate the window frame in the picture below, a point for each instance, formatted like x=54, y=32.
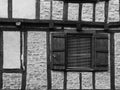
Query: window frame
x=14, y=70
x=21, y=70
x=93, y=67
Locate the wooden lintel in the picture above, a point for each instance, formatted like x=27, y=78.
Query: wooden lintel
x=25, y=23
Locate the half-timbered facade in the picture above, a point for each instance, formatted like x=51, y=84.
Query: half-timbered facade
x=59, y=44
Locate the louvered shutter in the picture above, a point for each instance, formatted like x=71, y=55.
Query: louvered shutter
x=58, y=51
x=101, y=52
x=79, y=51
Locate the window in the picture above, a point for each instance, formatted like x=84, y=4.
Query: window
x=3, y=8
x=79, y=51
x=13, y=49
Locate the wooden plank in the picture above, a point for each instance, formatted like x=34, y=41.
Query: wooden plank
x=83, y=1
x=1, y=59
x=37, y=9
x=93, y=80
x=80, y=12
x=80, y=80
x=71, y=89
x=106, y=27
x=65, y=11
x=45, y=23
x=23, y=87
x=21, y=50
x=51, y=9
x=112, y=61
x=65, y=80
x=12, y=71
x=9, y=8
x=49, y=81
x=84, y=89
x=119, y=10
x=41, y=25
x=94, y=7
x=66, y=61
x=93, y=51
x=79, y=17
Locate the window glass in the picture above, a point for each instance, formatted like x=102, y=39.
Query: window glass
x=23, y=9
x=11, y=49
x=3, y=8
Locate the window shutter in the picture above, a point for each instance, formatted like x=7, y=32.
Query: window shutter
x=58, y=51
x=101, y=52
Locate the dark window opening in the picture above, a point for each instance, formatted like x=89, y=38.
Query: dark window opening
x=79, y=51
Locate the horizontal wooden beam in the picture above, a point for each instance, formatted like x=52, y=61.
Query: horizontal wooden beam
x=25, y=23
x=45, y=23
x=12, y=71
x=82, y=1
x=83, y=89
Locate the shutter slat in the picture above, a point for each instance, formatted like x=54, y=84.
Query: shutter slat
x=79, y=51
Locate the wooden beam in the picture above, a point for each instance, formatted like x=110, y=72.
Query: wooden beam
x=23, y=87
x=82, y=1
x=11, y=23
x=65, y=80
x=112, y=61
x=80, y=12
x=80, y=80
x=12, y=71
x=51, y=9
x=84, y=89
x=1, y=59
x=9, y=8
x=93, y=60
x=65, y=11
x=79, y=27
x=106, y=27
x=21, y=50
x=93, y=80
x=37, y=9
x=49, y=81
x=94, y=13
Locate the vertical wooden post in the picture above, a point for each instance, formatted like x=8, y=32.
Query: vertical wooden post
x=65, y=80
x=21, y=49
x=93, y=59
x=94, y=7
x=51, y=9
x=49, y=85
x=80, y=12
x=9, y=8
x=24, y=73
x=106, y=14
x=65, y=11
x=79, y=28
x=80, y=80
x=112, y=59
x=93, y=80
x=37, y=9
x=1, y=58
